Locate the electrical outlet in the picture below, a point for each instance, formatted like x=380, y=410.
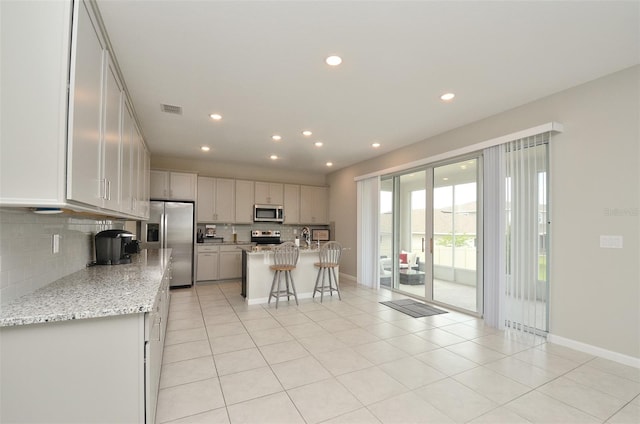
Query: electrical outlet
x=56, y=243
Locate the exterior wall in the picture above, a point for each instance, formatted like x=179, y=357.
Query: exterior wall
x=595, y=190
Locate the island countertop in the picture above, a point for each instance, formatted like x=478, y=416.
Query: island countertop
x=268, y=248
x=93, y=292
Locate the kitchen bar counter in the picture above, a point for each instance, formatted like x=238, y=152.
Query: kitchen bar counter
x=259, y=277
x=94, y=292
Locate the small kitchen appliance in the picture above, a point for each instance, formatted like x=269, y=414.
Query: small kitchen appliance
x=111, y=247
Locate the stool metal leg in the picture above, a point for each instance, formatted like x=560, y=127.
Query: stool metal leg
x=286, y=282
x=335, y=280
x=324, y=272
x=278, y=292
x=273, y=284
x=315, y=288
x=293, y=286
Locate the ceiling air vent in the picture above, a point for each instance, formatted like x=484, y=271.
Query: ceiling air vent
x=176, y=110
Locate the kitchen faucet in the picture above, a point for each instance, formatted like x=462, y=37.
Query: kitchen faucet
x=306, y=234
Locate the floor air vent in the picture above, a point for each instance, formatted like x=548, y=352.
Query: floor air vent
x=176, y=110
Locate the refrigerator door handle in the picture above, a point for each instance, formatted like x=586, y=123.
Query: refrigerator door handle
x=163, y=231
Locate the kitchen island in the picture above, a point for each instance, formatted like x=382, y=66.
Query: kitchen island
x=257, y=276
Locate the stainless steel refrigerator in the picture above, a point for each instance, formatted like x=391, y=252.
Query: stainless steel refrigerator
x=171, y=225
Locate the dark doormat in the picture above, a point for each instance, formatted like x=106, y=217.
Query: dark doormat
x=413, y=308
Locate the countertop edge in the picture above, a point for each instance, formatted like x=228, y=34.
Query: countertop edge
x=95, y=292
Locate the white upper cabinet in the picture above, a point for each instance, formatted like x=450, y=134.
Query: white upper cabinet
x=244, y=201
x=216, y=200
x=313, y=205
x=76, y=156
x=268, y=193
x=142, y=202
x=291, y=204
x=225, y=205
x=35, y=42
x=85, y=151
x=182, y=186
x=111, y=139
x=206, y=198
x=134, y=185
x=173, y=185
x=129, y=162
x=95, y=110
x=159, y=184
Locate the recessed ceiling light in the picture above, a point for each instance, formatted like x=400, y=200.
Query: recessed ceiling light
x=306, y=133
x=276, y=137
x=273, y=157
x=205, y=148
x=215, y=116
x=445, y=179
x=329, y=163
x=375, y=145
x=318, y=144
x=463, y=166
x=447, y=97
x=333, y=60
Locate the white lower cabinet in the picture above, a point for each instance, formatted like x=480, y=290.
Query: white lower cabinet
x=85, y=370
x=230, y=262
x=155, y=327
x=222, y=262
x=207, y=268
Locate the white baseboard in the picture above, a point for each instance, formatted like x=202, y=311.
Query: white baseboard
x=348, y=277
x=595, y=350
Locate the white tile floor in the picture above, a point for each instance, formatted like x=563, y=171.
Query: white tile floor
x=357, y=361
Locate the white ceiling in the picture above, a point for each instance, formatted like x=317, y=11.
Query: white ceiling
x=260, y=64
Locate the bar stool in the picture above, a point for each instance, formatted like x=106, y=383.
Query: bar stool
x=329, y=260
x=285, y=258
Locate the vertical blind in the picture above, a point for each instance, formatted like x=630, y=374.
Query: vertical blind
x=493, y=217
x=526, y=234
x=368, y=192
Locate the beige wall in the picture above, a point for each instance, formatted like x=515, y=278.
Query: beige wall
x=595, y=190
x=237, y=170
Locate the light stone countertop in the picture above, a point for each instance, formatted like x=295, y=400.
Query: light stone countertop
x=94, y=292
x=267, y=248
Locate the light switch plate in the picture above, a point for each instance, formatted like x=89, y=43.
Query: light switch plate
x=611, y=242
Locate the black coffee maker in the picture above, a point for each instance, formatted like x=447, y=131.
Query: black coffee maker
x=111, y=247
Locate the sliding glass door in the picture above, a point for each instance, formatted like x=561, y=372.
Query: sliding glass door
x=455, y=235
x=429, y=234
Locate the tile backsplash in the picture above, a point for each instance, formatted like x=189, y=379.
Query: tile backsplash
x=287, y=232
x=27, y=261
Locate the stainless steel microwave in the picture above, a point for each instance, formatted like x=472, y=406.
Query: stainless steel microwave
x=268, y=213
